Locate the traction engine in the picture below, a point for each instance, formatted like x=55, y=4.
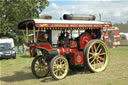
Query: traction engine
x=87, y=50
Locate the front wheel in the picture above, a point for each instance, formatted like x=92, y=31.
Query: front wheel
x=40, y=67
x=59, y=67
x=96, y=56
x=14, y=57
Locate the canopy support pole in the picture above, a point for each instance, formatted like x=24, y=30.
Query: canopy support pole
x=37, y=34
x=78, y=31
x=71, y=33
x=27, y=34
x=34, y=31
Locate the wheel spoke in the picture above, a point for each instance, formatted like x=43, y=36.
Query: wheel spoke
x=57, y=73
x=61, y=73
x=90, y=57
x=95, y=48
x=100, y=50
x=36, y=69
x=98, y=47
x=91, y=53
x=92, y=50
x=63, y=70
x=55, y=66
x=98, y=64
x=36, y=64
x=102, y=54
x=101, y=58
x=56, y=70
x=93, y=60
x=98, y=60
x=63, y=65
x=39, y=69
x=60, y=61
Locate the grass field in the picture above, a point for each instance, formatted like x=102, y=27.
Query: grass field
x=18, y=72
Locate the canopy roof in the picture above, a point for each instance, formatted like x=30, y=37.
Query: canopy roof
x=62, y=24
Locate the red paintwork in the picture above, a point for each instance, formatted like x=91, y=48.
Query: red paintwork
x=65, y=51
x=42, y=45
x=73, y=44
x=116, y=35
x=60, y=50
x=45, y=46
x=52, y=25
x=30, y=49
x=76, y=58
x=84, y=38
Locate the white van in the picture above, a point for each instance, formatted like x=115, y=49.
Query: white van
x=7, y=48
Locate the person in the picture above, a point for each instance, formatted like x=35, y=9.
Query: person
x=63, y=39
x=42, y=37
x=24, y=49
x=103, y=33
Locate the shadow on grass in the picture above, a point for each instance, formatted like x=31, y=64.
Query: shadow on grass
x=70, y=73
x=18, y=76
x=78, y=71
x=47, y=79
x=21, y=76
x=25, y=56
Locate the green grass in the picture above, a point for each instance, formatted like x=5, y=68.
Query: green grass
x=18, y=72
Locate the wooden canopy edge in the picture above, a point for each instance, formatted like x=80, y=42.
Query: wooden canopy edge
x=26, y=23
x=62, y=24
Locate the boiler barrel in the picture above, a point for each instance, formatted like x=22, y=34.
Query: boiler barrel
x=78, y=17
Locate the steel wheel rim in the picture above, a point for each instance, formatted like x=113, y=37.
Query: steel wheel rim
x=41, y=67
x=60, y=68
x=98, y=56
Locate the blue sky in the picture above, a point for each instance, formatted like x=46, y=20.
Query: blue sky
x=111, y=10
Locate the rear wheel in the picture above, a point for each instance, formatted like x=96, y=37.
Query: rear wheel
x=59, y=67
x=40, y=67
x=96, y=56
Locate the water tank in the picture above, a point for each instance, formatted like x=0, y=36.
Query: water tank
x=78, y=17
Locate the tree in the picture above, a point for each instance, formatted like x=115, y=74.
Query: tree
x=13, y=11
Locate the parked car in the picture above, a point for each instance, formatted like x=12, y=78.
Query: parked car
x=7, y=48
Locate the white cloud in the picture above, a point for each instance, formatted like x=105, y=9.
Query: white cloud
x=53, y=5
x=125, y=9
x=117, y=13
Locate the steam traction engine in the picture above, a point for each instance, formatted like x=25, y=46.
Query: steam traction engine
x=85, y=50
